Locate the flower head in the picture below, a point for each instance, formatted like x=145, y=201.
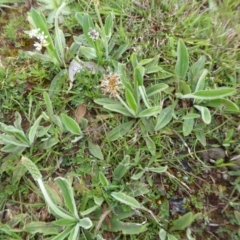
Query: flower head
x=38, y=46
x=33, y=33
x=40, y=37
x=110, y=84
x=93, y=34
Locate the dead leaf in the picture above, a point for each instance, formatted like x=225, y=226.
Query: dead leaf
x=103, y=116
x=80, y=112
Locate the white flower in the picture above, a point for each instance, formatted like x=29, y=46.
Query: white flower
x=33, y=33
x=93, y=34
x=41, y=37
x=38, y=46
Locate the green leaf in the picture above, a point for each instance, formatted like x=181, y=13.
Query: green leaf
x=123, y=198
x=127, y=228
x=63, y=234
x=157, y=170
x=103, y=180
x=105, y=101
x=13, y=149
x=119, y=131
x=237, y=216
x=134, y=60
x=88, y=52
x=201, y=137
x=89, y=210
x=122, y=168
x=164, y=118
x=182, y=222
x=118, y=53
x=145, y=61
x=137, y=175
x=119, y=109
x=64, y=222
x=157, y=88
x=17, y=133
x=187, y=126
x=70, y=124
x=153, y=69
x=152, y=111
x=182, y=60
x=171, y=237
x=60, y=44
x=48, y=103
x=108, y=26
x=211, y=94
x=150, y=145
x=184, y=87
x=206, y=115
x=68, y=195
x=162, y=234
x=74, y=234
x=138, y=76
x=18, y=121
x=195, y=72
x=227, y=104
x=85, y=223
x=131, y=100
x=33, y=130
x=144, y=96
x=45, y=228
x=191, y=116
x=95, y=150
x=10, y=140
x=201, y=81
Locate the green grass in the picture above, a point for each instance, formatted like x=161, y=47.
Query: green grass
x=116, y=154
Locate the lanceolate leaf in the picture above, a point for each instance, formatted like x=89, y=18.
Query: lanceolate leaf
x=182, y=60
x=182, y=222
x=211, y=94
x=95, y=150
x=119, y=131
x=152, y=111
x=206, y=115
x=67, y=193
x=156, y=89
x=33, y=130
x=164, y=118
x=128, y=227
x=157, y=169
x=131, y=100
x=227, y=104
x=88, y=52
x=118, y=108
x=71, y=124
x=187, y=126
x=123, y=198
x=122, y=168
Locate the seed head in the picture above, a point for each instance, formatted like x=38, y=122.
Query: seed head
x=110, y=84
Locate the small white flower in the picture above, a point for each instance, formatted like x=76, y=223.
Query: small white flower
x=38, y=46
x=33, y=33
x=41, y=37
x=93, y=34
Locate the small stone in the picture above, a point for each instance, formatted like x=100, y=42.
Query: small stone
x=212, y=153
